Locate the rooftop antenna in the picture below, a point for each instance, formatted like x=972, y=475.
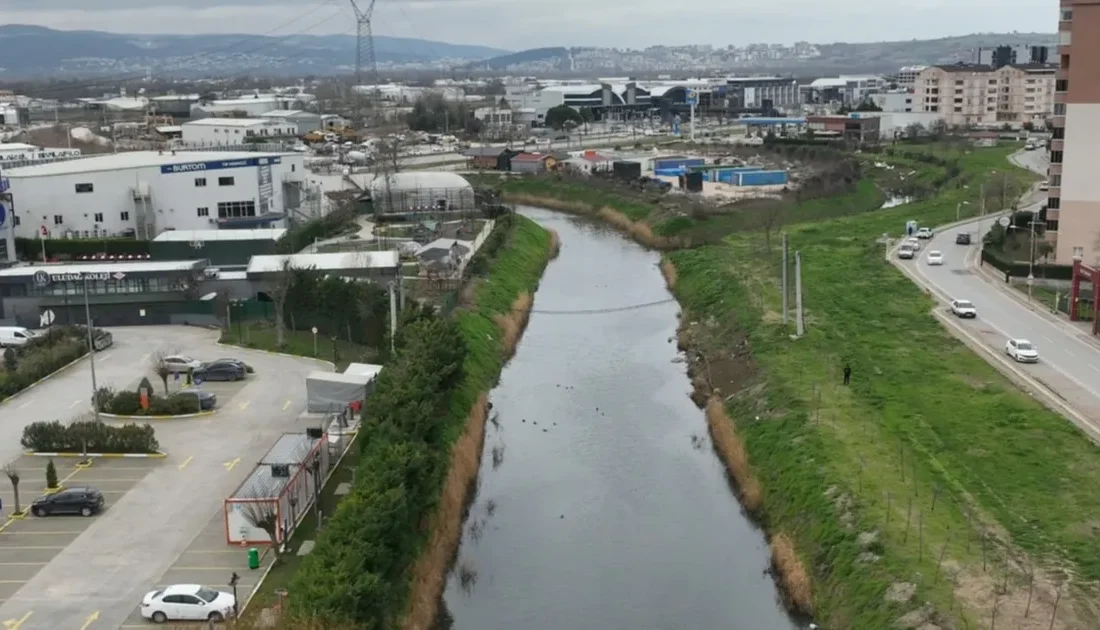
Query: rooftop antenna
x=364, y=43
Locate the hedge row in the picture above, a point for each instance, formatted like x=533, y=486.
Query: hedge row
x=128, y=403
x=1021, y=269
x=357, y=572
x=88, y=437
x=42, y=356
x=31, y=248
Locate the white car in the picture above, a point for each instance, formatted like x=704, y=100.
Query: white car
x=924, y=233
x=964, y=309
x=913, y=244
x=1044, y=186
x=187, y=602
x=906, y=252
x=178, y=363
x=934, y=257
x=1022, y=350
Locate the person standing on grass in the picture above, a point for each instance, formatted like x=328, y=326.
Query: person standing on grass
x=847, y=373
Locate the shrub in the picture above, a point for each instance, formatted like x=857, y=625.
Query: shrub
x=51, y=475
x=124, y=403
x=96, y=437
x=9, y=360
x=128, y=403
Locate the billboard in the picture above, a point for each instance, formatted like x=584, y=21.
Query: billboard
x=215, y=165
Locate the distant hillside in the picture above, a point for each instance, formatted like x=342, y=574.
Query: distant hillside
x=49, y=52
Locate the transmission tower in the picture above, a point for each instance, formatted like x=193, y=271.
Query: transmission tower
x=364, y=43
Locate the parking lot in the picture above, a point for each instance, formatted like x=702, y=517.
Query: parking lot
x=29, y=543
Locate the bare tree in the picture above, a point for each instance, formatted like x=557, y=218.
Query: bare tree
x=770, y=219
x=263, y=515
x=13, y=476
x=278, y=287
x=159, y=363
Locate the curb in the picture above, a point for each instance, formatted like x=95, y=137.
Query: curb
x=157, y=455
x=47, y=377
x=277, y=354
x=111, y=416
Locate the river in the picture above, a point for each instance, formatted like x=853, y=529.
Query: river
x=601, y=504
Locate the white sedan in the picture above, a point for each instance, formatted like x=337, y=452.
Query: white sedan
x=964, y=309
x=1022, y=350
x=187, y=602
x=178, y=363
x=934, y=257
x=912, y=243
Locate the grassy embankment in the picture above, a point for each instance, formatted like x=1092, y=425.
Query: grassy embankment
x=930, y=469
x=490, y=326
x=260, y=335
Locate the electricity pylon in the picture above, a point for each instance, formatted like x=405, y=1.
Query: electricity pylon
x=364, y=42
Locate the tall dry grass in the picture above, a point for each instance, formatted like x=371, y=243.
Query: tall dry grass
x=732, y=451
x=513, y=323
x=668, y=270
x=555, y=243
x=792, y=574
x=430, y=570
x=636, y=230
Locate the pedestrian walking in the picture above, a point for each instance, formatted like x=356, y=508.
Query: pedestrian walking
x=847, y=373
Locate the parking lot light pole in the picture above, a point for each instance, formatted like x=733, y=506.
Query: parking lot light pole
x=233, y=583
x=91, y=345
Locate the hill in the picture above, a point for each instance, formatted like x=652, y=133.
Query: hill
x=50, y=52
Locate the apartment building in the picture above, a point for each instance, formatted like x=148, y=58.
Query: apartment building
x=971, y=94
x=1073, y=202
x=907, y=76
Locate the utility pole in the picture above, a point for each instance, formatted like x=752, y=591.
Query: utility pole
x=786, y=307
x=800, y=325
x=91, y=346
x=393, y=318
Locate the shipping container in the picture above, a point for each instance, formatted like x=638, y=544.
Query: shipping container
x=677, y=163
x=667, y=172
x=694, y=182
x=627, y=170
x=731, y=175
x=762, y=178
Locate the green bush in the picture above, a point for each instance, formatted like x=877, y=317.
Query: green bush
x=95, y=437
x=124, y=403
x=128, y=403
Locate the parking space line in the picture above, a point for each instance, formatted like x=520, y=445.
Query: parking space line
x=90, y=619
x=75, y=403
x=245, y=404
x=12, y=582
x=286, y=405
x=36, y=548
x=49, y=533
x=23, y=564
x=232, y=464
x=14, y=624
x=186, y=462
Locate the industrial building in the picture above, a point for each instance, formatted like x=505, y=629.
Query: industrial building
x=378, y=266
x=1073, y=201
x=216, y=132
x=222, y=248
x=253, y=105
x=854, y=127
x=847, y=90
x=303, y=122
x=415, y=192
x=144, y=193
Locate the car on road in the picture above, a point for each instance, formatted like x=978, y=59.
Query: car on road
x=187, y=602
x=913, y=243
x=934, y=258
x=964, y=309
x=906, y=252
x=83, y=501
x=1022, y=350
x=247, y=368
x=179, y=364
x=924, y=233
x=1044, y=186
x=962, y=238
x=207, y=400
x=220, y=371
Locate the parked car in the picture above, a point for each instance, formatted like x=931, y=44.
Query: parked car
x=934, y=258
x=964, y=309
x=962, y=238
x=246, y=367
x=15, y=336
x=924, y=233
x=178, y=363
x=1022, y=350
x=220, y=371
x=1044, y=186
x=906, y=252
x=187, y=602
x=913, y=244
x=82, y=501
x=207, y=400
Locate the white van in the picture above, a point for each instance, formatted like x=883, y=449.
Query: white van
x=15, y=336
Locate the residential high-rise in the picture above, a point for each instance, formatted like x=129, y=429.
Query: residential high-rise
x=1073, y=202
x=970, y=94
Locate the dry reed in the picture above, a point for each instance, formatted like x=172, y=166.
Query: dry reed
x=732, y=451
x=512, y=324
x=792, y=575
x=668, y=270
x=555, y=243
x=636, y=230
x=430, y=570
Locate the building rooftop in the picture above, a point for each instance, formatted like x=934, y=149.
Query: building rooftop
x=131, y=159
x=227, y=122
x=286, y=113
x=337, y=261
x=16, y=146
x=420, y=180
x=529, y=157
x=363, y=369
x=103, y=267
x=191, y=236
x=292, y=449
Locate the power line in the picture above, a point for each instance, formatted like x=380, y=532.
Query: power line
x=598, y=311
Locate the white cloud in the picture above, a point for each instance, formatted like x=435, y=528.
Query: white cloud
x=528, y=24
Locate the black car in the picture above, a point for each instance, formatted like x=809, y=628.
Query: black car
x=962, y=238
x=82, y=501
x=246, y=367
x=219, y=371
x=207, y=400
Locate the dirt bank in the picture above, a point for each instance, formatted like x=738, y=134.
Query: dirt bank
x=640, y=232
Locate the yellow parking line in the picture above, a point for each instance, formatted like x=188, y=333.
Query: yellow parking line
x=90, y=619
x=32, y=548
x=245, y=404
x=286, y=405
x=13, y=624
x=12, y=582
x=23, y=564
x=232, y=464
x=49, y=533
x=186, y=462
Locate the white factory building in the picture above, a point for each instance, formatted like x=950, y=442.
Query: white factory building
x=253, y=105
x=144, y=193
x=220, y=132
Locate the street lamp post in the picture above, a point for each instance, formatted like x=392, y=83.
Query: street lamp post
x=233, y=583
x=958, y=209
x=1030, y=257
x=91, y=345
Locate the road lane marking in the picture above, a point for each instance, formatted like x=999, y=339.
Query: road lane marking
x=231, y=465
x=286, y=405
x=186, y=462
x=245, y=404
x=90, y=620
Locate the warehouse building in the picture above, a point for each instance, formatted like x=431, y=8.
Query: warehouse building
x=144, y=193
x=302, y=122
x=217, y=132
x=222, y=248
x=414, y=192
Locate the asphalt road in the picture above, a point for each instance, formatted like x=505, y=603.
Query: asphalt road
x=1069, y=363
x=95, y=580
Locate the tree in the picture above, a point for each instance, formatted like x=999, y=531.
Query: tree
x=557, y=117
x=13, y=476
x=277, y=288
x=263, y=515
x=158, y=361
x=770, y=218
x=51, y=476
x=9, y=360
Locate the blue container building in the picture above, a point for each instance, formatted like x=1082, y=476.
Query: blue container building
x=677, y=163
x=761, y=178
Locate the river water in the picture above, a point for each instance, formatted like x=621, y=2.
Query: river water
x=601, y=504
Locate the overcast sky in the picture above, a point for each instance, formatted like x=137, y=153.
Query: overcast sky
x=520, y=24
